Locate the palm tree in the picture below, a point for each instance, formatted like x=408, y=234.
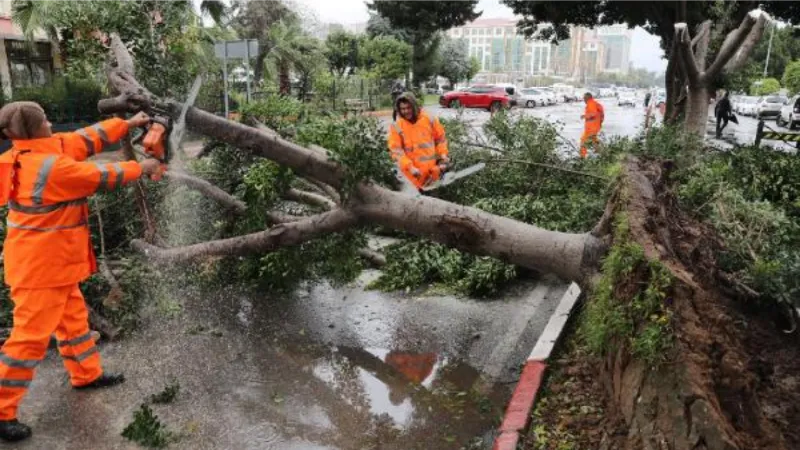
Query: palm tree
x=213, y=8
x=286, y=49
x=33, y=15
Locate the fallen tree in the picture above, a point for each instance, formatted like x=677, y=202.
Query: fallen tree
x=641, y=201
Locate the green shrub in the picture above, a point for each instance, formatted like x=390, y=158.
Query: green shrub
x=64, y=99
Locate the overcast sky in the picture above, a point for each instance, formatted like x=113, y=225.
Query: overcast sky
x=645, y=51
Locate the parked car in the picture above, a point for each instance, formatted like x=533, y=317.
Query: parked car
x=552, y=99
x=489, y=97
x=790, y=113
x=531, y=97
x=746, y=106
x=770, y=106
x=626, y=99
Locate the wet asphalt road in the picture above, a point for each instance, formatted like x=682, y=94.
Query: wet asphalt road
x=619, y=121
x=331, y=368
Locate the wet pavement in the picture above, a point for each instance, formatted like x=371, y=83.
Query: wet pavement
x=619, y=121
x=330, y=368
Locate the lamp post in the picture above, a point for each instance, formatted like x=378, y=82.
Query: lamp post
x=769, y=49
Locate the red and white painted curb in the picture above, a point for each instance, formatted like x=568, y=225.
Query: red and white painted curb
x=521, y=404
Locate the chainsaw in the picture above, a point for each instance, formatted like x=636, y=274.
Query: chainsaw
x=162, y=138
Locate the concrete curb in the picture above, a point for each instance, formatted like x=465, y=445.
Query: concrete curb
x=521, y=404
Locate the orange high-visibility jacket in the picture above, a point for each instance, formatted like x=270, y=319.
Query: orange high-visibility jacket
x=47, y=234
x=594, y=116
x=418, y=144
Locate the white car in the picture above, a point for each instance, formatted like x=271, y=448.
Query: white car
x=790, y=113
x=626, y=99
x=551, y=95
x=532, y=97
x=746, y=106
x=770, y=106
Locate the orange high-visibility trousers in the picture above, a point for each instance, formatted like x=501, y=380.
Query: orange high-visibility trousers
x=38, y=313
x=589, y=137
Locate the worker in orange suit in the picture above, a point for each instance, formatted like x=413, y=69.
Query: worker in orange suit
x=417, y=142
x=594, y=116
x=45, y=181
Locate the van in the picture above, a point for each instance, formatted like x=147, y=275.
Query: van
x=512, y=91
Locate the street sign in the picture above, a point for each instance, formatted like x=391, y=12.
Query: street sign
x=236, y=49
x=226, y=50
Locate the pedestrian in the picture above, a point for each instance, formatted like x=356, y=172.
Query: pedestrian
x=45, y=181
x=417, y=142
x=594, y=116
x=723, y=112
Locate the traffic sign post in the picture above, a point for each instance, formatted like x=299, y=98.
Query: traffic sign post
x=241, y=49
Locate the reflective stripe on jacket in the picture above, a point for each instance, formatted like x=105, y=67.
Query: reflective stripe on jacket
x=417, y=144
x=47, y=237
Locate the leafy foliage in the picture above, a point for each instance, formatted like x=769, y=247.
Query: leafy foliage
x=765, y=86
x=147, y=430
x=342, y=52
x=523, y=192
x=168, y=395
x=426, y=16
x=386, y=58
x=621, y=311
x=65, y=99
x=791, y=77
x=166, y=35
x=358, y=143
x=456, y=64
x=751, y=197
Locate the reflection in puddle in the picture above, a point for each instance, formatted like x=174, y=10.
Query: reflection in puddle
x=385, y=400
x=409, y=391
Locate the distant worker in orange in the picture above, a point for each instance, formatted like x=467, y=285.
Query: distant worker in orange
x=594, y=116
x=417, y=142
x=47, y=251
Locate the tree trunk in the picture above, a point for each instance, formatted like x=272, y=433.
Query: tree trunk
x=258, y=68
x=284, y=83
x=697, y=110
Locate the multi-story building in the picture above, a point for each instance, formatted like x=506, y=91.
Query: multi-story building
x=617, y=42
x=504, y=54
x=23, y=63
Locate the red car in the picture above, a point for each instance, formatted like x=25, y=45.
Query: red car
x=485, y=96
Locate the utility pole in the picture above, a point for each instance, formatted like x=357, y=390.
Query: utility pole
x=769, y=49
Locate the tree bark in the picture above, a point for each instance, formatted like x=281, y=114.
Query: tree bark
x=232, y=203
x=570, y=256
x=282, y=235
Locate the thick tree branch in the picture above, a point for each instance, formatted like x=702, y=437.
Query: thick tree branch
x=302, y=160
x=282, y=235
x=684, y=48
x=734, y=41
x=700, y=44
x=218, y=195
x=329, y=191
x=124, y=58
x=310, y=198
x=570, y=256
x=753, y=37
x=278, y=217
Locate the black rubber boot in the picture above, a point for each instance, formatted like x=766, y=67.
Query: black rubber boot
x=103, y=381
x=13, y=430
